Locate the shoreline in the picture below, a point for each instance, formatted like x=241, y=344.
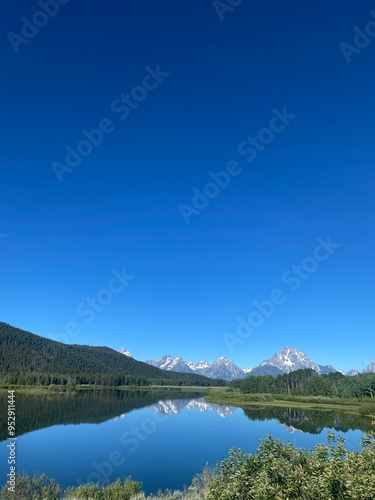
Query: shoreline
x=221, y=396
x=240, y=400
x=58, y=389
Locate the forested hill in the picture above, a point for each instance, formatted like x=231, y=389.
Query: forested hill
x=26, y=358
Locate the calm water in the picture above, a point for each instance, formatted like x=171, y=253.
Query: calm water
x=161, y=439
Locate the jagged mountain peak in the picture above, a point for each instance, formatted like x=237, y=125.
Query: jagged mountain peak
x=222, y=368
x=352, y=373
x=289, y=359
x=222, y=361
x=171, y=363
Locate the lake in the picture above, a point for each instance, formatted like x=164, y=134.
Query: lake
x=161, y=439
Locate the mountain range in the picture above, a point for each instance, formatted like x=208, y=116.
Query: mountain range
x=223, y=368
x=285, y=361
x=26, y=358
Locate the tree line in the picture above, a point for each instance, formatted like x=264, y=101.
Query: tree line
x=307, y=382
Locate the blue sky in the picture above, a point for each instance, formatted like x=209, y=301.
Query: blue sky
x=179, y=91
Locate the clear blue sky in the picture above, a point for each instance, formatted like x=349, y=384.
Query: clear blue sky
x=217, y=83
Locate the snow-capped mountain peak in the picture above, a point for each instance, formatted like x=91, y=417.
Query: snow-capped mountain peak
x=351, y=373
x=122, y=350
x=201, y=365
x=225, y=369
x=290, y=359
x=247, y=370
x=170, y=363
x=222, y=368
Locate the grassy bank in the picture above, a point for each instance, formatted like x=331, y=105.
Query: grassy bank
x=37, y=389
x=41, y=389
x=236, y=398
x=174, y=388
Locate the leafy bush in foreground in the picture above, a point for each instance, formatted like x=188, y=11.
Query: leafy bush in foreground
x=33, y=488
x=281, y=471
x=118, y=490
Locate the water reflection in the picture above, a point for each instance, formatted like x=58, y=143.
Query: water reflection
x=168, y=406
x=310, y=421
x=79, y=407
x=167, y=439
x=95, y=406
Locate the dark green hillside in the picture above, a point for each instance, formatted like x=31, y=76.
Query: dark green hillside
x=26, y=358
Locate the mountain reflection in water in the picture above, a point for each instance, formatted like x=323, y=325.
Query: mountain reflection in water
x=95, y=406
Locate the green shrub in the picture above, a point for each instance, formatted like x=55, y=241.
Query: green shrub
x=119, y=490
x=32, y=488
x=84, y=492
x=112, y=491
x=281, y=471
